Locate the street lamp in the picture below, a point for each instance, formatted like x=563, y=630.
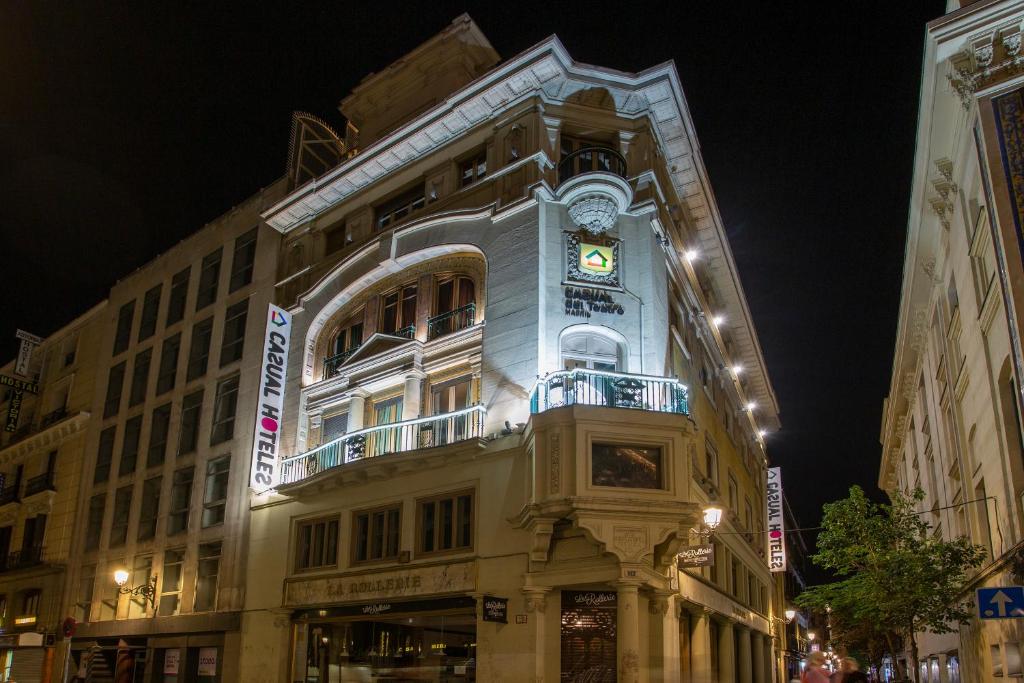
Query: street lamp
x=146, y=590
x=712, y=517
x=811, y=635
x=790, y=615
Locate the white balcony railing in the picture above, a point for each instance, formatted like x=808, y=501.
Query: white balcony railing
x=609, y=389
x=397, y=437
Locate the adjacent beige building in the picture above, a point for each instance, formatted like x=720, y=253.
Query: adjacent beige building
x=951, y=422
x=520, y=367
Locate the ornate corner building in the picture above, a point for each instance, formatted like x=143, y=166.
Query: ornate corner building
x=520, y=366
x=951, y=422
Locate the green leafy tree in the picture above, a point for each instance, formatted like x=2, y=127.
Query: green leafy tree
x=896, y=578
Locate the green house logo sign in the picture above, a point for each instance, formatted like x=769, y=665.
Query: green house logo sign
x=595, y=258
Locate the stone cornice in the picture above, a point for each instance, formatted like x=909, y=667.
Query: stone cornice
x=44, y=439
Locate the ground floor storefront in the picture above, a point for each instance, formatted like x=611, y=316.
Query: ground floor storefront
x=187, y=649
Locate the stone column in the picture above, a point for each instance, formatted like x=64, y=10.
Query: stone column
x=357, y=409
x=413, y=396
x=726, y=653
x=628, y=633
x=664, y=639
x=701, y=666
x=744, y=656
x=536, y=603
x=757, y=650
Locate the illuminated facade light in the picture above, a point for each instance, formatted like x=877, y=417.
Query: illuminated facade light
x=712, y=517
x=691, y=255
x=737, y=369
x=751, y=405
x=718, y=320
x=762, y=433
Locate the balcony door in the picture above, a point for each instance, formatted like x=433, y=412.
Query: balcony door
x=449, y=397
x=590, y=351
x=388, y=440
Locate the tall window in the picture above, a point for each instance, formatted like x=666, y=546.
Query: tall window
x=181, y=500
x=224, y=411
x=123, y=332
x=734, y=502
x=94, y=524
x=140, y=377
x=350, y=336
x=334, y=427
x=209, y=275
x=159, y=426
x=591, y=351
x=150, y=508
x=206, y=576
x=215, y=497
x=191, y=407
x=450, y=396
x=115, y=386
x=130, y=447
x=399, y=311
x=445, y=523
x=199, y=350
x=473, y=168
x=119, y=525
x=142, y=570
x=168, y=364
x=394, y=210
x=243, y=260
x=32, y=538
x=453, y=293
x=179, y=295
x=150, y=310
x=629, y=466
x=375, y=534
x=104, y=455
x=711, y=462
x=86, y=582
x=317, y=544
x=234, y=333
x=170, y=590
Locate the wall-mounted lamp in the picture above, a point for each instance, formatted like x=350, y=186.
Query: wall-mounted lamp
x=790, y=615
x=146, y=590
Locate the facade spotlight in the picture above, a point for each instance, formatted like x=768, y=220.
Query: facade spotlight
x=690, y=255
x=718, y=320
x=762, y=433
x=751, y=405
x=737, y=369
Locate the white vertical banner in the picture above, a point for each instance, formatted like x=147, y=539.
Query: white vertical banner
x=776, y=521
x=266, y=443
x=28, y=344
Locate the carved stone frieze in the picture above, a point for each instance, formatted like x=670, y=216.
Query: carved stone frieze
x=595, y=212
x=555, y=459
x=990, y=57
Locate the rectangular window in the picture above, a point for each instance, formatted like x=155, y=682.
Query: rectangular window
x=334, y=427
x=398, y=208
x=317, y=544
x=399, y=315
x=199, y=350
x=123, y=332
x=191, y=407
x=375, y=534
x=142, y=570
x=224, y=411
x=104, y=455
x=130, y=447
x=150, y=311
x=94, y=525
x=179, y=295
x=159, y=426
x=711, y=462
x=473, y=169
x=115, y=386
x=445, y=524
x=335, y=239
x=216, y=495
x=734, y=502
x=168, y=364
x=206, y=578
x=170, y=591
x=638, y=467
x=150, y=508
x=234, y=333
x=119, y=525
x=181, y=501
x=243, y=260
x=209, y=275
x=140, y=378
x=86, y=582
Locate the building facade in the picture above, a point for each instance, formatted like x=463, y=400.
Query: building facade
x=520, y=365
x=163, y=493
x=46, y=409
x=951, y=422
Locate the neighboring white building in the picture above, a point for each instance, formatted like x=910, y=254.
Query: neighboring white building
x=951, y=422
x=521, y=365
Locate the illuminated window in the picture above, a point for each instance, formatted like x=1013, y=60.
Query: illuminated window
x=627, y=466
x=216, y=495
x=170, y=593
x=473, y=169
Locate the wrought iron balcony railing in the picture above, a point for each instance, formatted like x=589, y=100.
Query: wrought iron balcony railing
x=20, y=559
x=9, y=494
x=452, y=321
x=398, y=437
x=610, y=389
x=53, y=417
x=591, y=160
x=332, y=364
x=44, y=482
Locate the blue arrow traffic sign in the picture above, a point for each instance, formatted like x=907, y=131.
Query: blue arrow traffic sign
x=1001, y=602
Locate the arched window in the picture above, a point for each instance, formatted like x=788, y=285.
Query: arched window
x=591, y=350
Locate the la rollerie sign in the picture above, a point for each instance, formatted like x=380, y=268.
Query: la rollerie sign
x=266, y=443
x=776, y=521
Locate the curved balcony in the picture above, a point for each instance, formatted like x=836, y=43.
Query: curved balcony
x=591, y=160
x=397, y=437
x=610, y=390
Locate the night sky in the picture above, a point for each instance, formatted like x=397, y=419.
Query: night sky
x=125, y=128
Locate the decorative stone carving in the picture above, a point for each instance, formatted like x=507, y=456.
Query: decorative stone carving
x=630, y=542
x=536, y=603
x=596, y=212
x=990, y=57
x=555, y=458
x=658, y=605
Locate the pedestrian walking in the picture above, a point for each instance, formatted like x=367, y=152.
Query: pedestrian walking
x=815, y=671
x=849, y=672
